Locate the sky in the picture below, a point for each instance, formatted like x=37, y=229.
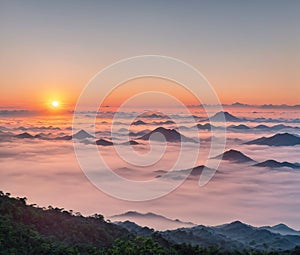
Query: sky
x=248, y=50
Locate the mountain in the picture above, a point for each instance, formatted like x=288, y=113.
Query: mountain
x=282, y=139
x=130, y=142
x=234, y=156
x=138, y=122
x=276, y=164
x=171, y=135
x=206, y=126
x=24, y=136
x=156, y=221
x=282, y=229
x=139, y=133
x=233, y=236
x=135, y=228
x=220, y=116
x=32, y=230
x=275, y=127
x=82, y=134
x=194, y=172
x=240, y=127
x=104, y=142
x=167, y=122
x=28, y=229
x=281, y=126
x=65, y=138
x=261, y=126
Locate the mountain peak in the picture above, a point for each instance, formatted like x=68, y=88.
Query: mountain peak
x=171, y=135
x=237, y=223
x=221, y=116
x=104, y=142
x=82, y=134
x=235, y=226
x=234, y=156
x=24, y=135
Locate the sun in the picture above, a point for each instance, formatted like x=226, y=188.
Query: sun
x=55, y=104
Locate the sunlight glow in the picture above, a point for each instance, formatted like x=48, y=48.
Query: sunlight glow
x=55, y=104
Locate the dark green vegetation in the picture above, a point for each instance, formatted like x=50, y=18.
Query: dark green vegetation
x=29, y=230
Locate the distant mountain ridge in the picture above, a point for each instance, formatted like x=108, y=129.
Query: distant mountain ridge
x=234, y=236
x=282, y=229
x=275, y=164
x=262, y=127
x=156, y=219
x=281, y=139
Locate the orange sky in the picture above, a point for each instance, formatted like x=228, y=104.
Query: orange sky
x=142, y=87
x=248, y=52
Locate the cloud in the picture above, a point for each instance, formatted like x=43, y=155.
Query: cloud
x=17, y=113
x=47, y=172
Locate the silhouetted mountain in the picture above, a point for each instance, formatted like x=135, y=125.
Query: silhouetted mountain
x=159, y=222
x=206, y=126
x=40, y=136
x=238, y=104
x=104, y=142
x=135, y=228
x=240, y=127
x=220, y=116
x=65, y=138
x=282, y=229
x=193, y=173
x=154, y=115
x=139, y=133
x=234, y=156
x=171, y=135
x=275, y=127
x=167, y=122
x=284, y=139
x=131, y=142
x=24, y=136
x=276, y=164
x=138, y=122
x=261, y=126
x=281, y=126
x=234, y=236
x=82, y=134
x=196, y=171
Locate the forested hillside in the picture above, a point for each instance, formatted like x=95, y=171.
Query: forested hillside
x=31, y=230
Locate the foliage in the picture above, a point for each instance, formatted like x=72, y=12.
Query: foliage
x=30, y=230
